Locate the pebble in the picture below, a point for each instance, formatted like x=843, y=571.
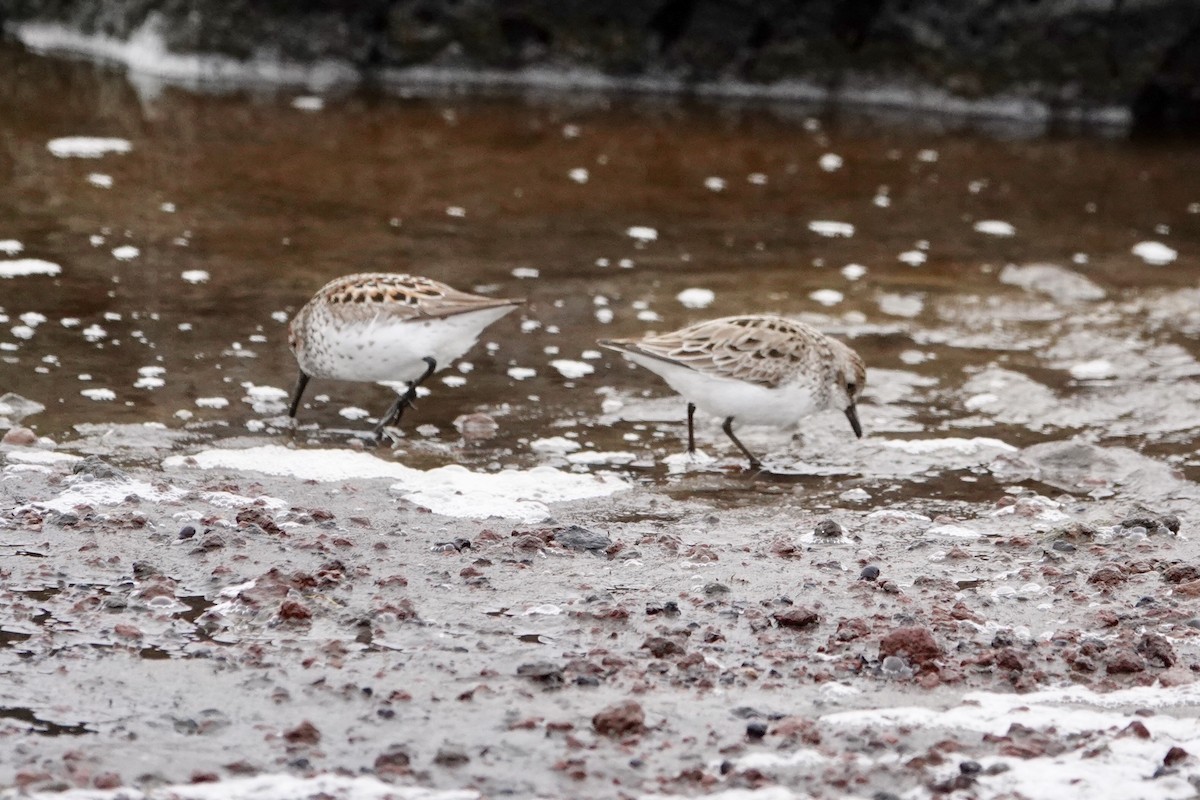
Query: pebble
x=869, y=573
x=756, y=730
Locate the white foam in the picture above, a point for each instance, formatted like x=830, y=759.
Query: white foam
x=642, y=233
x=212, y=402
x=10, y=247
x=830, y=162
x=572, y=369
x=827, y=297
x=99, y=394
x=829, y=228
x=958, y=445
x=87, y=146
x=195, y=275
x=1095, y=370
x=995, y=227
x=714, y=184
x=20, y=267
x=696, y=297
x=100, y=180
x=521, y=373
x=308, y=103
x=579, y=175
x=1154, y=253
x=554, y=445
x=126, y=252
x=914, y=258
x=451, y=490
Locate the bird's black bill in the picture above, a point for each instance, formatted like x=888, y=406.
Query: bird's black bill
x=852, y=415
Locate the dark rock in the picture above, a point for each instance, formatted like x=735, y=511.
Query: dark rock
x=451, y=756
x=970, y=767
x=828, y=528
x=457, y=545
x=869, y=573
x=756, y=730
x=187, y=532
x=669, y=608
x=1143, y=58
x=545, y=672
x=1156, y=649
x=577, y=538
x=99, y=469
x=303, y=734
x=1175, y=755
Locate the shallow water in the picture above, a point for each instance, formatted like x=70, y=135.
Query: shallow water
x=269, y=200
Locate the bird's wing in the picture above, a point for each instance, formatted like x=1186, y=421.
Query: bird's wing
x=405, y=297
x=760, y=350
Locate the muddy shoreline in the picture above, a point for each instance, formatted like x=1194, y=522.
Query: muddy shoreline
x=258, y=625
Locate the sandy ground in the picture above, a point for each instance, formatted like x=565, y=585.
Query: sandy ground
x=712, y=632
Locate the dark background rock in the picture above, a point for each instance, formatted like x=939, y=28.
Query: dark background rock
x=1070, y=57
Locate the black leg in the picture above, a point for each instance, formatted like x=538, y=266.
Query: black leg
x=396, y=411
x=691, y=429
x=728, y=428
x=299, y=390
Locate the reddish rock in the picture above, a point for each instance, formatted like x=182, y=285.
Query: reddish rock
x=294, y=611
x=661, y=647
x=1174, y=756
x=623, y=719
x=1181, y=573
x=913, y=643
x=19, y=437
x=853, y=628
x=393, y=761
x=1189, y=589
x=1108, y=576
x=797, y=617
x=1136, y=728
x=1012, y=659
x=801, y=728
x=304, y=733
x=1107, y=619
x=1124, y=662
x=1156, y=649
x=111, y=780
x=127, y=631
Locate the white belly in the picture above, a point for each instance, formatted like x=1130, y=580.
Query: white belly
x=747, y=403
x=381, y=349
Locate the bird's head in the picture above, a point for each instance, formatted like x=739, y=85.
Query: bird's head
x=851, y=377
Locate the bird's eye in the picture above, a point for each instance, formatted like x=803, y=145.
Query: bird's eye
x=851, y=388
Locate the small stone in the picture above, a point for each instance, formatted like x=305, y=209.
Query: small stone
x=1174, y=756
x=451, y=756
x=756, y=730
x=19, y=437
x=661, y=647
x=797, y=617
x=305, y=733
x=970, y=767
x=715, y=588
x=1156, y=649
x=545, y=672
x=828, y=528
x=1125, y=662
x=187, y=532
x=1181, y=573
x=869, y=573
x=1063, y=546
x=622, y=719
x=916, y=643
x=98, y=468
x=579, y=538
x=393, y=761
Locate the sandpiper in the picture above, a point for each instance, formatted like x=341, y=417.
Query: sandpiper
x=760, y=370
x=379, y=326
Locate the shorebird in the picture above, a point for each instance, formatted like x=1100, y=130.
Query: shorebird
x=760, y=370
x=379, y=326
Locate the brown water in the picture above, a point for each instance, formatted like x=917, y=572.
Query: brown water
x=272, y=201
